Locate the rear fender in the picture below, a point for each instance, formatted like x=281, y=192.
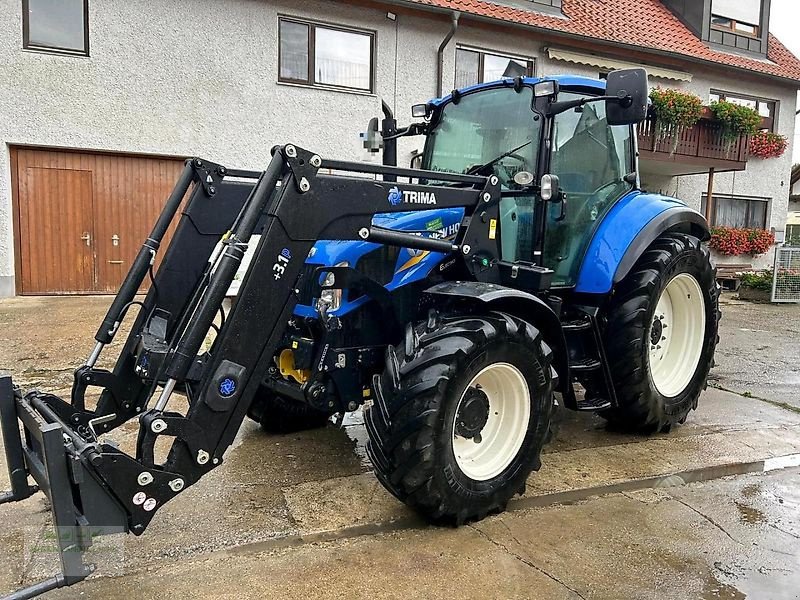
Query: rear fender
x=521, y=304
x=628, y=229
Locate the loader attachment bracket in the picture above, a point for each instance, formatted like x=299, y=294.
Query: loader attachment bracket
x=81, y=505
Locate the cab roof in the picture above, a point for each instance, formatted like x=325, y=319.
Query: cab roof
x=585, y=84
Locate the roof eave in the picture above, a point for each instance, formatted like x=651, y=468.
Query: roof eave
x=573, y=36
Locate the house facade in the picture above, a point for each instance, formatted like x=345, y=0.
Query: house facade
x=101, y=101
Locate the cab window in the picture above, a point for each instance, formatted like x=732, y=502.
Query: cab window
x=591, y=159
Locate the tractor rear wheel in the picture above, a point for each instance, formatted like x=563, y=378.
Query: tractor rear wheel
x=661, y=333
x=461, y=414
x=277, y=414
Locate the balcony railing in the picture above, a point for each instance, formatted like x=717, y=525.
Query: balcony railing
x=700, y=146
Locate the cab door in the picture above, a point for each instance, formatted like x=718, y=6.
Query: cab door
x=591, y=159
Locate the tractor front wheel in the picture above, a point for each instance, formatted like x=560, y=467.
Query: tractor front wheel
x=461, y=414
x=661, y=333
x=277, y=414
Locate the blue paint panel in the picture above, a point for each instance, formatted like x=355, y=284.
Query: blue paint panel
x=333, y=252
x=613, y=237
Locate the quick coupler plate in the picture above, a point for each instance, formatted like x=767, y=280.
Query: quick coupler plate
x=49, y=452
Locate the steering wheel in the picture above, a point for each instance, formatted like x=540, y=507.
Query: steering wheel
x=515, y=156
x=585, y=212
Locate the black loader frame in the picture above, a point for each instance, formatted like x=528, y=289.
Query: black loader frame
x=93, y=487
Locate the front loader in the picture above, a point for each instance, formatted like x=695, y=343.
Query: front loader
x=458, y=303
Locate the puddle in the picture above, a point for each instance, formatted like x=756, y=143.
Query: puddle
x=751, y=490
x=750, y=515
x=353, y=425
x=714, y=589
x=757, y=584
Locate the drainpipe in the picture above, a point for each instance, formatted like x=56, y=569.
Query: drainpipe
x=440, y=54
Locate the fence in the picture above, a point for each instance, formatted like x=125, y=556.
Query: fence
x=786, y=284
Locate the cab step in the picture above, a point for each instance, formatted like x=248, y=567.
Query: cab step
x=577, y=325
x=593, y=404
x=584, y=365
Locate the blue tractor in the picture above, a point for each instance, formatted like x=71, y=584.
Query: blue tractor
x=519, y=268
x=601, y=285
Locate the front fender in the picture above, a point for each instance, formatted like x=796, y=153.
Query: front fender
x=627, y=231
x=523, y=305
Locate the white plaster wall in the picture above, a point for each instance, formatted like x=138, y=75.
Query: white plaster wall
x=196, y=77
x=199, y=77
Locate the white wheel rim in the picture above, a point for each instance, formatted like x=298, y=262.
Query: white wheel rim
x=677, y=343
x=506, y=426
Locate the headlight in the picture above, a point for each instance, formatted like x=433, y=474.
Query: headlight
x=332, y=298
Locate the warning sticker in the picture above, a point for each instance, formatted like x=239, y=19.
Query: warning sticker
x=492, y=229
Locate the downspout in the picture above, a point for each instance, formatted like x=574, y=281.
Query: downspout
x=440, y=54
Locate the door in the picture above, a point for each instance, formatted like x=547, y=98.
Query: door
x=130, y=192
x=56, y=240
x=107, y=202
x=591, y=159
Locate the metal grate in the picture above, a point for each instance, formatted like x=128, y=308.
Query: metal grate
x=786, y=284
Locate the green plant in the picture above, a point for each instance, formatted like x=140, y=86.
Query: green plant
x=674, y=108
x=757, y=280
x=736, y=120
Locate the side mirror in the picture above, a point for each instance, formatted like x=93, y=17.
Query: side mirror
x=373, y=140
x=629, y=88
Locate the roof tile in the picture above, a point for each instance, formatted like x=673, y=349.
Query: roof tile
x=645, y=23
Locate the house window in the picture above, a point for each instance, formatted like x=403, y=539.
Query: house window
x=738, y=211
x=56, y=26
x=766, y=108
x=475, y=66
x=323, y=55
x=793, y=235
x=739, y=16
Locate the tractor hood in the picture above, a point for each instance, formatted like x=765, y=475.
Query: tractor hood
x=442, y=223
x=409, y=266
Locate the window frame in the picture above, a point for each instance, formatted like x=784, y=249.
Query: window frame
x=772, y=121
x=312, y=37
x=751, y=200
x=789, y=238
x=733, y=23
x=26, y=42
x=482, y=52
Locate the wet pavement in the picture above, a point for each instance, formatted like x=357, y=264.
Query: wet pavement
x=692, y=514
x=759, y=350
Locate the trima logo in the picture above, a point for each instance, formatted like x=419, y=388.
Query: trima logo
x=398, y=196
x=395, y=196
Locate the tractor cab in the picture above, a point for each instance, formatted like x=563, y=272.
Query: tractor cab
x=505, y=128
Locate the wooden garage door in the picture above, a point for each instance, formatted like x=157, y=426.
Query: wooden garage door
x=81, y=217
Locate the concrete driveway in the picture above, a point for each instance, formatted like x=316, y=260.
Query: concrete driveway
x=708, y=511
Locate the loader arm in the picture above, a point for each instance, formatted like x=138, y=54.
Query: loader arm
x=95, y=488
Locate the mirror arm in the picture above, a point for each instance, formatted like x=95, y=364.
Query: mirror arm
x=413, y=129
x=556, y=108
